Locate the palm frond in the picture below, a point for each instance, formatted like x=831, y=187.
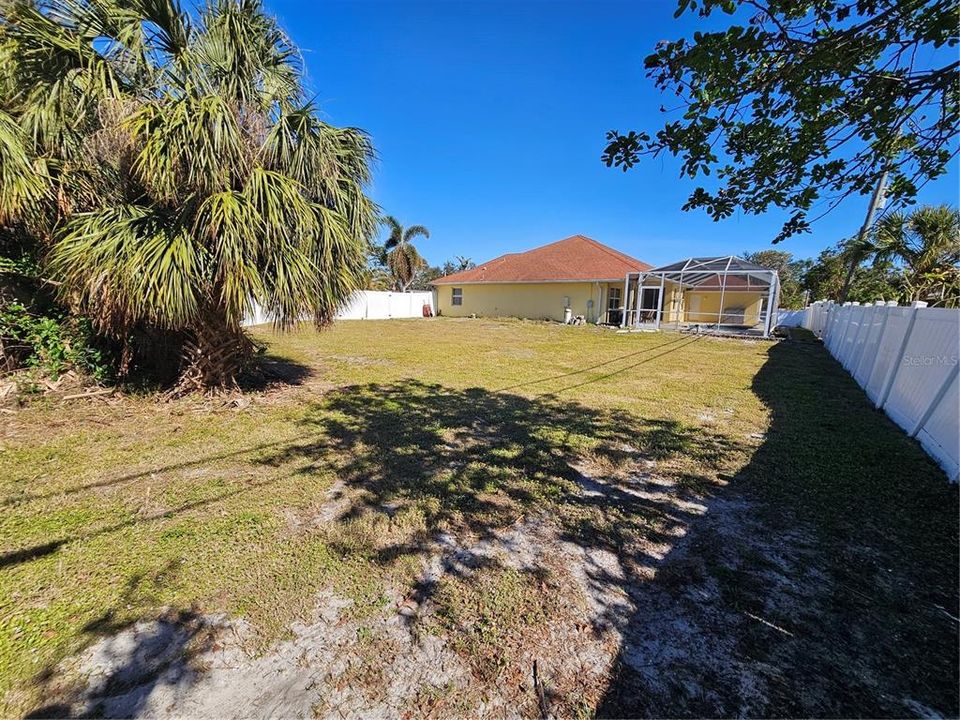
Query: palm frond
x=23, y=179
x=415, y=231
x=129, y=264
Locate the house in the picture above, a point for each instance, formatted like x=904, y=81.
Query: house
x=574, y=276
x=711, y=294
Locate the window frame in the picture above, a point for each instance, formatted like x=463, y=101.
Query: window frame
x=456, y=297
x=614, y=295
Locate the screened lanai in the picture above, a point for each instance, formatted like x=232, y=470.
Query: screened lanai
x=727, y=295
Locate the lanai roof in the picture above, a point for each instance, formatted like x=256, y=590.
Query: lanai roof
x=715, y=272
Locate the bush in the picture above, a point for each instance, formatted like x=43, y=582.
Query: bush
x=53, y=343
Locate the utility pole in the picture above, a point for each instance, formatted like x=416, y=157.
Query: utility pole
x=876, y=201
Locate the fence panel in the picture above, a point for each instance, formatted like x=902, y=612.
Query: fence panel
x=851, y=325
x=355, y=309
x=940, y=435
x=906, y=359
x=370, y=305
x=791, y=318
x=888, y=352
x=872, y=335
x=924, y=365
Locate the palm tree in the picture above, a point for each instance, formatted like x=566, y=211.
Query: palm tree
x=402, y=257
x=178, y=175
x=926, y=244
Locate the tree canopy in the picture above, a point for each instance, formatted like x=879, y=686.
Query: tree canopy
x=925, y=245
x=403, y=259
x=789, y=270
x=174, y=173
x=799, y=104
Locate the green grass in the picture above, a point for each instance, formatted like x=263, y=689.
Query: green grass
x=112, y=512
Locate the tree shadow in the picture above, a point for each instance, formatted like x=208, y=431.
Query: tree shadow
x=820, y=579
x=480, y=476
x=831, y=587
x=476, y=460
x=129, y=658
x=271, y=371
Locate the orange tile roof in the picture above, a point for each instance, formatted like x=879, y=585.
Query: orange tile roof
x=576, y=258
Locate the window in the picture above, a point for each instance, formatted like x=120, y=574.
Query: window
x=457, y=297
x=650, y=299
x=614, y=304
x=613, y=299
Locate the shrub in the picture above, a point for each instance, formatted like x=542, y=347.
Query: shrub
x=53, y=342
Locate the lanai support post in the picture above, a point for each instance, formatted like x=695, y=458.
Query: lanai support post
x=626, y=295
x=771, y=299
x=636, y=301
x=660, y=302
x=723, y=289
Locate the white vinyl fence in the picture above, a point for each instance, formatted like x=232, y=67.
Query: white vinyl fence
x=372, y=305
x=377, y=305
x=791, y=318
x=906, y=359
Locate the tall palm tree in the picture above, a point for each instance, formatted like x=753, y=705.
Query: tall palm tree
x=177, y=173
x=403, y=259
x=926, y=245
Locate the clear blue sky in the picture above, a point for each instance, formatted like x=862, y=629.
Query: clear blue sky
x=489, y=122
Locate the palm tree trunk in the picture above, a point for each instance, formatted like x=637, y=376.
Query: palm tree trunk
x=862, y=237
x=214, y=355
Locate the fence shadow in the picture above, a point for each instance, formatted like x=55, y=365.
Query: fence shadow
x=834, y=590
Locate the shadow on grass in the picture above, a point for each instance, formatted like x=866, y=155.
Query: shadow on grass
x=272, y=371
x=133, y=657
x=470, y=463
x=673, y=344
x=842, y=599
x=831, y=591
x=35, y=552
x=472, y=470
x=474, y=460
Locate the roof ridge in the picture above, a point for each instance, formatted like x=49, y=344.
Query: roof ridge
x=610, y=251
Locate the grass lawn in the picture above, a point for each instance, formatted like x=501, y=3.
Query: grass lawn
x=689, y=514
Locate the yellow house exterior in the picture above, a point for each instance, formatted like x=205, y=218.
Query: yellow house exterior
x=577, y=276
x=532, y=300
x=703, y=306
x=581, y=277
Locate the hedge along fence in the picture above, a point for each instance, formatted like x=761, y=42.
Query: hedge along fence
x=905, y=358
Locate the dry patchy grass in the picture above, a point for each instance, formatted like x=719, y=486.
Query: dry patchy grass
x=398, y=433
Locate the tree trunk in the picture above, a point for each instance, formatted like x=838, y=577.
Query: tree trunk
x=214, y=355
x=848, y=280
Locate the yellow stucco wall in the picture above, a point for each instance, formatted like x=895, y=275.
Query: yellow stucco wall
x=536, y=301
x=709, y=305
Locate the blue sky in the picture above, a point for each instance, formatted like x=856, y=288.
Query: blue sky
x=489, y=121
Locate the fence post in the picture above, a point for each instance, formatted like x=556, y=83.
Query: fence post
x=898, y=358
x=825, y=320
